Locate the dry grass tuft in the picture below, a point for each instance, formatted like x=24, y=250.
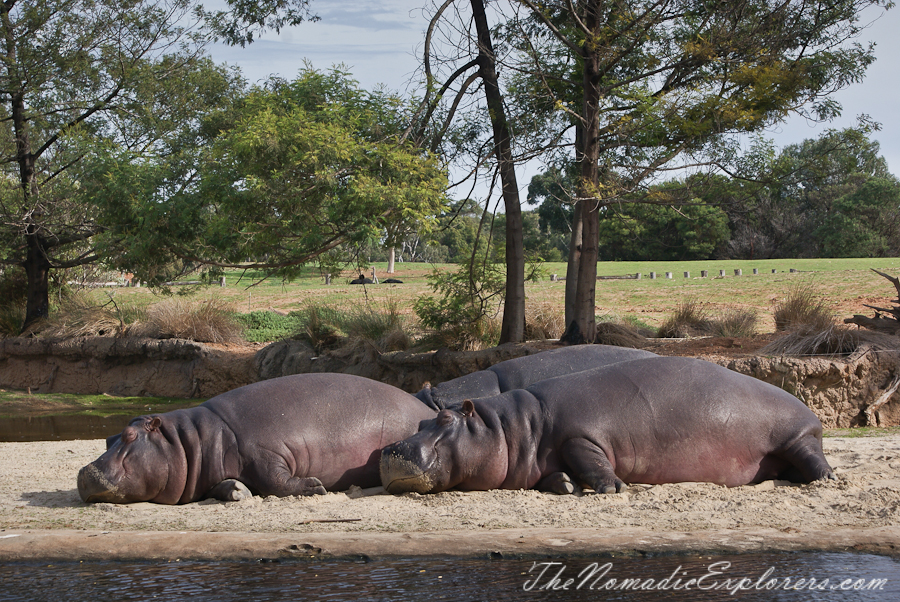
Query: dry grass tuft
x=801, y=307
x=620, y=335
x=208, y=321
x=833, y=340
x=690, y=318
x=544, y=321
x=80, y=316
x=735, y=322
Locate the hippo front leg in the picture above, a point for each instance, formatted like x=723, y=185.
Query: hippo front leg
x=271, y=476
x=229, y=490
x=590, y=465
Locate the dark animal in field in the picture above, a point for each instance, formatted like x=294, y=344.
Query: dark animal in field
x=655, y=420
x=362, y=280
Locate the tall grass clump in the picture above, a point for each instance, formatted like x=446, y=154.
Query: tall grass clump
x=544, y=321
x=620, y=334
x=385, y=328
x=80, y=315
x=734, y=322
x=210, y=321
x=801, y=307
x=689, y=318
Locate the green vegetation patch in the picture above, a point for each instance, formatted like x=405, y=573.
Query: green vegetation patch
x=21, y=403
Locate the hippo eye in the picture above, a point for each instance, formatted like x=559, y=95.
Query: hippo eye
x=129, y=435
x=444, y=418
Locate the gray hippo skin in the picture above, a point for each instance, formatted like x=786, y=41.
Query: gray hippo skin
x=656, y=420
x=524, y=371
x=295, y=435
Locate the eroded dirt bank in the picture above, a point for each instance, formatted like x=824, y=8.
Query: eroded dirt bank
x=862, y=389
x=41, y=516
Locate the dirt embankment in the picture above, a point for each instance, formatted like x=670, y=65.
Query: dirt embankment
x=856, y=390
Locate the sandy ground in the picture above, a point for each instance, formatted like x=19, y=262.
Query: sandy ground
x=42, y=516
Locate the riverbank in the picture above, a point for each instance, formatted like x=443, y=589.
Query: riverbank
x=42, y=517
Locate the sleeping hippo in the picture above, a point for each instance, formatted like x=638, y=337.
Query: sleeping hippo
x=293, y=435
x=655, y=420
x=521, y=372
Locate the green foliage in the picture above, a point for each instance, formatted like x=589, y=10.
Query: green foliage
x=266, y=326
x=305, y=166
x=802, y=307
x=865, y=222
x=462, y=316
x=638, y=231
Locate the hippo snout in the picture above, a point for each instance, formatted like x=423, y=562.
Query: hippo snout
x=404, y=468
x=94, y=486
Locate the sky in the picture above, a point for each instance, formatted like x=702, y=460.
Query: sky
x=379, y=41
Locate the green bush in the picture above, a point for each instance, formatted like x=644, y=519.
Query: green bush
x=266, y=326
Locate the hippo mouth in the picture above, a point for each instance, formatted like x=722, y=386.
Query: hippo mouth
x=400, y=475
x=94, y=486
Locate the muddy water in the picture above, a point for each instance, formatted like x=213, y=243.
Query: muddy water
x=68, y=427
x=780, y=577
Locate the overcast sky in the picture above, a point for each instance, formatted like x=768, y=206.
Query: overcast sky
x=380, y=41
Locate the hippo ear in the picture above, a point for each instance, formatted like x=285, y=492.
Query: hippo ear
x=152, y=424
x=468, y=408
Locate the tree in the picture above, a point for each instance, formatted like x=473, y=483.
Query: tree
x=297, y=169
x=642, y=83
x=79, y=78
x=779, y=201
x=865, y=222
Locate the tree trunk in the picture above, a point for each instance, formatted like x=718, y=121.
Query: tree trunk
x=572, y=265
x=391, y=257
x=513, y=327
x=37, y=268
x=583, y=327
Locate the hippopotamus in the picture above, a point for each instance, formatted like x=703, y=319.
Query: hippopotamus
x=654, y=420
x=523, y=371
x=293, y=435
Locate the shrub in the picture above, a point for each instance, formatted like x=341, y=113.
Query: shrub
x=832, y=340
x=386, y=329
x=265, y=326
x=802, y=307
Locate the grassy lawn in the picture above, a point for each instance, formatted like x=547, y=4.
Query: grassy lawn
x=846, y=284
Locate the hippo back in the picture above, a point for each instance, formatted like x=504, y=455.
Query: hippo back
x=522, y=372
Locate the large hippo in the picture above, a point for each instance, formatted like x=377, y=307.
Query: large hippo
x=655, y=420
x=523, y=371
x=294, y=435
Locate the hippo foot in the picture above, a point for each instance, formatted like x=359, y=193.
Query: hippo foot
x=616, y=486
x=558, y=483
x=230, y=490
x=311, y=486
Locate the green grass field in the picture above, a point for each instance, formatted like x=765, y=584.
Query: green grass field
x=846, y=284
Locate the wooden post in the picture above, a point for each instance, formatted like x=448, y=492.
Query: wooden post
x=755, y=271
x=222, y=281
x=738, y=272
x=637, y=276
x=652, y=275
x=721, y=273
x=669, y=275
x=687, y=274
x=704, y=273
x=553, y=277
x=327, y=279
